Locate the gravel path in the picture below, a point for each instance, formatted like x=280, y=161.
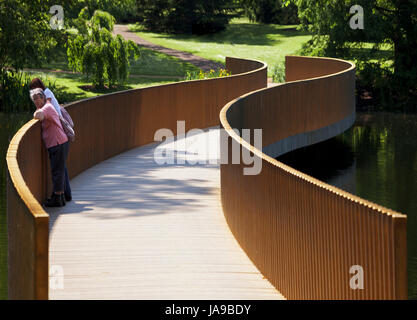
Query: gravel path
x=199, y=62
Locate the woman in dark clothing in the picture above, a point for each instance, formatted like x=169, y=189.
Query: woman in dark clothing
x=37, y=83
x=56, y=142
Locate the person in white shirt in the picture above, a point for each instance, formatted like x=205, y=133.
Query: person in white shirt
x=50, y=97
x=37, y=83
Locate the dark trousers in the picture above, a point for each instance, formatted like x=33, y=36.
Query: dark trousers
x=67, y=187
x=58, y=156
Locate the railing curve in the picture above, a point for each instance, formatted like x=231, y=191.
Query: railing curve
x=105, y=126
x=310, y=239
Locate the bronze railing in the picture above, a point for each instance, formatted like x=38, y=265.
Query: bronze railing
x=310, y=239
x=105, y=126
x=301, y=233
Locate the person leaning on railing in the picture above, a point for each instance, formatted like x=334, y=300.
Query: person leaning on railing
x=56, y=141
x=37, y=83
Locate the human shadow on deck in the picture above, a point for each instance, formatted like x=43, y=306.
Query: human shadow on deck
x=132, y=184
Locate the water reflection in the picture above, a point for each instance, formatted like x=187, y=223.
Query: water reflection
x=332, y=161
x=379, y=154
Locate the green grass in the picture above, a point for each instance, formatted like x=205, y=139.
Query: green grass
x=382, y=56
x=152, y=68
x=71, y=84
x=149, y=63
x=243, y=39
x=269, y=43
x=157, y=63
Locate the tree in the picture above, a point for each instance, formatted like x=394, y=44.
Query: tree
x=270, y=11
x=26, y=38
x=122, y=10
x=387, y=23
x=185, y=16
x=97, y=53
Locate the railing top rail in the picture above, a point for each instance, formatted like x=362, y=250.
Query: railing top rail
x=263, y=65
x=350, y=66
x=12, y=161
x=16, y=175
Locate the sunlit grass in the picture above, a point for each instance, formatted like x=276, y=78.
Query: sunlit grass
x=71, y=84
x=383, y=55
x=242, y=38
x=149, y=63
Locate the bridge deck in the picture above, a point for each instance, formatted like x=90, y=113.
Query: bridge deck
x=139, y=230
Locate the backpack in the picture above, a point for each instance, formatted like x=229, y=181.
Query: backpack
x=67, y=124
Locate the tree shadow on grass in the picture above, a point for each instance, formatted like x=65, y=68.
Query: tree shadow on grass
x=64, y=96
x=155, y=63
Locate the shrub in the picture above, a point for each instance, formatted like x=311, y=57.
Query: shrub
x=121, y=10
x=102, y=19
x=385, y=51
x=98, y=54
x=270, y=11
x=14, y=91
x=199, y=75
x=14, y=95
x=278, y=73
x=185, y=16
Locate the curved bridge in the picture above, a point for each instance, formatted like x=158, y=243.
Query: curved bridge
x=301, y=234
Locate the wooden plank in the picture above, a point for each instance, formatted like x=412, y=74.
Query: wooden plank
x=139, y=230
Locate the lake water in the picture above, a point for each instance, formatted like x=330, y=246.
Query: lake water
x=377, y=160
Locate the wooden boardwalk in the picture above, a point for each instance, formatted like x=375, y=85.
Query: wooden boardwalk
x=140, y=230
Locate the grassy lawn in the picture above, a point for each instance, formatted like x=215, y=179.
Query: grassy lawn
x=243, y=39
x=149, y=63
x=269, y=43
x=70, y=84
x=152, y=68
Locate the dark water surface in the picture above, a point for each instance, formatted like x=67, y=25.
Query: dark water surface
x=9, y=124
x=377, y=160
